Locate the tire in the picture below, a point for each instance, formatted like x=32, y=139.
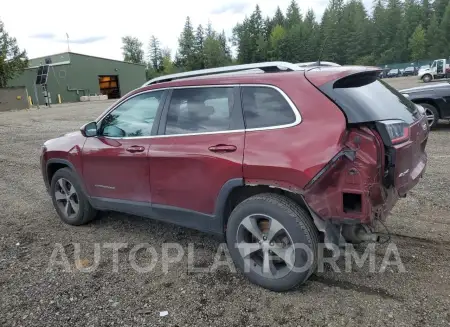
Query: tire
x=66, y=189
x=427, y=78
x=431, y=111
x=297, y=228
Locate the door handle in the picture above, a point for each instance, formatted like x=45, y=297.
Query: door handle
x=135, y=148
x=222, y=148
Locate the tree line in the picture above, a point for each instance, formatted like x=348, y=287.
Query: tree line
x=392, y=31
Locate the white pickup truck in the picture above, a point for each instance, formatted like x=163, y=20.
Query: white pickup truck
x=440, y=68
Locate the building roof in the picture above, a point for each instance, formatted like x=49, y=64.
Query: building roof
x=63, y=58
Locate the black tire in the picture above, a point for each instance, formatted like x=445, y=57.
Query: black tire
x=294, y=219
x=435, y=113
x=85, y=212
x=427, y=78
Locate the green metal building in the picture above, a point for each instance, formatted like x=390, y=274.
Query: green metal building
x=72, y=75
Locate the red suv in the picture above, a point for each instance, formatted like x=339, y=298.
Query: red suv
x=276, y=158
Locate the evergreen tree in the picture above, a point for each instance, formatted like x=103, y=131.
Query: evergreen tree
x=331, y=31
x=426, y=13
x=186, y=57
x=355, y=23
x=393, y=33
x=155, y=55
x=439, y=8
x=417, y=44
x=310, y=36
x=293, y=15
x=12, y=60
x=445, y=31
x=434, y=39
x=198, y=48
x=225, y=47
x=278, y=18
x=276, y=46
x=209, y=30
x=242, y=40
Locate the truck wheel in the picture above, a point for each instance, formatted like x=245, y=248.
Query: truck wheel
x=427, y=78
x=69, y=200
x=273, y=241
x=432, y=114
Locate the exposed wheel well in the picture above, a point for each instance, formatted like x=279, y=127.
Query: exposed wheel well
x=242, y=193
x=53, y=168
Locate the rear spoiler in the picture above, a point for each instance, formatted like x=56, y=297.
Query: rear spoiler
x=328, y=80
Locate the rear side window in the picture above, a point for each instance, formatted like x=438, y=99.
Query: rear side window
x=199, y=110
x=265, y=107
x=365, y=98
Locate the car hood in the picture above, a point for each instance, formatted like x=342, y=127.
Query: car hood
x=425, y=87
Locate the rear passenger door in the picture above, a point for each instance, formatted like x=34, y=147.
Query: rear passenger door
x=269, y=140
x=199, y=148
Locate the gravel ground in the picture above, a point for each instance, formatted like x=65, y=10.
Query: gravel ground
x=31, y=294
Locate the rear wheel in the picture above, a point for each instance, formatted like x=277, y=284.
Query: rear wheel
x=69, y=200
x=273, y=241
x=427, y=78
x=431, y=113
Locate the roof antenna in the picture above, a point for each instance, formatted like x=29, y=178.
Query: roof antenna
x=321, y=50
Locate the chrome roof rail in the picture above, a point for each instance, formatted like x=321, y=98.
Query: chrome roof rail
x=272, y=66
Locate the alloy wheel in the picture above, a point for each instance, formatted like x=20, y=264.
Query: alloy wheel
x=266, y=246
x=66, y=198
x=430, y=117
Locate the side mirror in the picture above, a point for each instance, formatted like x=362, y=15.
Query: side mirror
x=89, y=129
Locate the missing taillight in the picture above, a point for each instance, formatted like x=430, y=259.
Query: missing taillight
x=352, y=202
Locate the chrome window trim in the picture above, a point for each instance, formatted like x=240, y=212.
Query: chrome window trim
x=298, y=118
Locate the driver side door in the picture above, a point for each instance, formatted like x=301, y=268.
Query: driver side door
x=440, y=70
x=115, y=162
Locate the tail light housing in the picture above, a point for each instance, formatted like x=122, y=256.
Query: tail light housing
x=393, y=131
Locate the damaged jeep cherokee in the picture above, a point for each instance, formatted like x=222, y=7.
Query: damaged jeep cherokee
x=268, y=155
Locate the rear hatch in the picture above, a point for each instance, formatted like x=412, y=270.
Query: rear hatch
x=370, y=102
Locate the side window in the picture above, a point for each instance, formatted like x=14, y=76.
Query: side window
x=199, y=110
x=265, y=107
x=133, y=117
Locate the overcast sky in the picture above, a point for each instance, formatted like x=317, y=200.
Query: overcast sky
x=96, y=27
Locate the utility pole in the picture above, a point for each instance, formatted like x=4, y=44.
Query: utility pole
x=68, y=44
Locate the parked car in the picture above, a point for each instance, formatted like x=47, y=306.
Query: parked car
x=249, y=157
x=394, y=73
x=409, y=71
x=383, y=73
x=434, y=98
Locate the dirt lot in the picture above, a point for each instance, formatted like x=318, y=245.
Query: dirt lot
x=32, y=295
x=404, y=82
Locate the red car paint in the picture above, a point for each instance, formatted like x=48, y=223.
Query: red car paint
x=183, y=172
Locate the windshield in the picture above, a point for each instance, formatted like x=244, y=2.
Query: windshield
x=409, y=69
x=364, y=98
x=393, y=71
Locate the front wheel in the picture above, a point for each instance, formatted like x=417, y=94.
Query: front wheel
x=273, y=241
x=427, y=78
x=69, y=200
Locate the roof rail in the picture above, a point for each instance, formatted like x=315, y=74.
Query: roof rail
x=272, y=66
